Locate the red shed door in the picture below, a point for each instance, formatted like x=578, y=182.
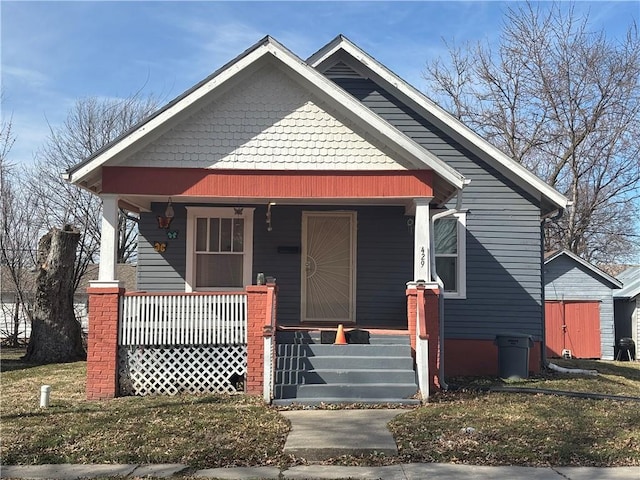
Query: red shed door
x=573, y=326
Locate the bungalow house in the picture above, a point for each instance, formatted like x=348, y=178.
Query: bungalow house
x=627, y=307
x=281, y=199
x=578, y=307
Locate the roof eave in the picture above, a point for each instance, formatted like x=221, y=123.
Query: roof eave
x=468, y=136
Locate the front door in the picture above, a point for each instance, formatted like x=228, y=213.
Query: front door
x=328, y=267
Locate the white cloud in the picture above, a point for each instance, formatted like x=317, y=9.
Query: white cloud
x=25, y=76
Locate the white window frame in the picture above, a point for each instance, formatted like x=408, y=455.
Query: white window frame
x=218, y=212
x=461, y=271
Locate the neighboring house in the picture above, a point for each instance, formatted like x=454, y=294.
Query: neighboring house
x=627, y=306
x=10, y=306
x=578, y=307
x=341, y=183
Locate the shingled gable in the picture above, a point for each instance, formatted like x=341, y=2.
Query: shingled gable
x=88, y=174
x=342, y=50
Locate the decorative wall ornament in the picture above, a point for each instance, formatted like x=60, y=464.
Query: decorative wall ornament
x=172, y=234
x=160, y=247
x=163, y=222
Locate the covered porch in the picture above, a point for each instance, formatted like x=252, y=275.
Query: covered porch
x=307, y=262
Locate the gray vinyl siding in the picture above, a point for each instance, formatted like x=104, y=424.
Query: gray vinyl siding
x=565, y=279
x=164, y=272
x=504, y=248
x=384, y=259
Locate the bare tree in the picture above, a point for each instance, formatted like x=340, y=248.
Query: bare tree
x=18, y=229
x=90, y=125
x=564, y=101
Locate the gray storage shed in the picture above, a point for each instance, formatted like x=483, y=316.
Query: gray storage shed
x=578, y=302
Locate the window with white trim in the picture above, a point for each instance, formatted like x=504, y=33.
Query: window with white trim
x=219, y=248
x=450, y=252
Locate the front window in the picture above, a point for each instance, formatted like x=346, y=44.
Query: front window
x=220, y=253
x=449, y=236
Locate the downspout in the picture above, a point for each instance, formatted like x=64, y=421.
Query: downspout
x=543, y=343
x=438, y=280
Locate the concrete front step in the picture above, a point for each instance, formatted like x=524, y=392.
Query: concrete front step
x=350, y=376
x=315, y=337
x=283, y=402
x=342, y=362
x=313, y=350
x=372, y=390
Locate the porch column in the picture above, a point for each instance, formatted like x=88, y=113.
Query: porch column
x=108, y=238
x=104, y=310
x=421, y=259
x=102, y=343
x=261, y=305
x=423, y=320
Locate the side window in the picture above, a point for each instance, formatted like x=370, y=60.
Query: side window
x=219, y=248
x=449, y=236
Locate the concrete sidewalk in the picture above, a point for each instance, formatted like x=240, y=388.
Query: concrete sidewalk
x=412, y=471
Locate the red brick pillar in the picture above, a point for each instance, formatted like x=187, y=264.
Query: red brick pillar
x=261, y=307
x=102, y=347
x=412, y=311
x=432, y=321
x=432, y=314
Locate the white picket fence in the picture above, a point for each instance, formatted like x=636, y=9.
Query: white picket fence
x=183, y=319
x=182, y=343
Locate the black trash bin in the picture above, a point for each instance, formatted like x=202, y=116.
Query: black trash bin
x=513, y=355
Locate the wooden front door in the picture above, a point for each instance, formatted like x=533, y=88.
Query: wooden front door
x=328, y=267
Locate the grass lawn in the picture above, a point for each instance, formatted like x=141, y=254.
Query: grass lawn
x=203, y=431
x=465, y=426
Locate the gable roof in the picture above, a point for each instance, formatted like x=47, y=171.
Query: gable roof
x=551, y=256
x=341, y=49
x=88, y=173
x=630, y=279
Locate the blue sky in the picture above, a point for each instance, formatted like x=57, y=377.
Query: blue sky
x=53, y=53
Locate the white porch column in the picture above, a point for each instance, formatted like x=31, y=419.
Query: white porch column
x=108, y=239
x=421, y=261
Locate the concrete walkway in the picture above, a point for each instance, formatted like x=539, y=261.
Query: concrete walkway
x=321, y=434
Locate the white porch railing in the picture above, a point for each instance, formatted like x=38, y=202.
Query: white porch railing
x=183, y=319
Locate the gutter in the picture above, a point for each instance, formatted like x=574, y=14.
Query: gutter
x=438, y=280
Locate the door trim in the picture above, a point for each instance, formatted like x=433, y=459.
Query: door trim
x=352, y=215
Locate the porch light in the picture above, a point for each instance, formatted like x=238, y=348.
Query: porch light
x=271, y=204
x=169, y=213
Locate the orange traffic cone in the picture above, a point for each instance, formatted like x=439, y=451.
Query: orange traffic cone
x=340, y=338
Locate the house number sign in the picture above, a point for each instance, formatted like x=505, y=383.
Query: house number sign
x=422, y=256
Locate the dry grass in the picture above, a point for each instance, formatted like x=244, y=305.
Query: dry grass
x=201, y=431
x=218, y=430
x=530, y=429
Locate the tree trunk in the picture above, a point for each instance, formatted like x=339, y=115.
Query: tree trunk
x=56, y=334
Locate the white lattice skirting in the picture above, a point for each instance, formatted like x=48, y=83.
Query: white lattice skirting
x=181, y=369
